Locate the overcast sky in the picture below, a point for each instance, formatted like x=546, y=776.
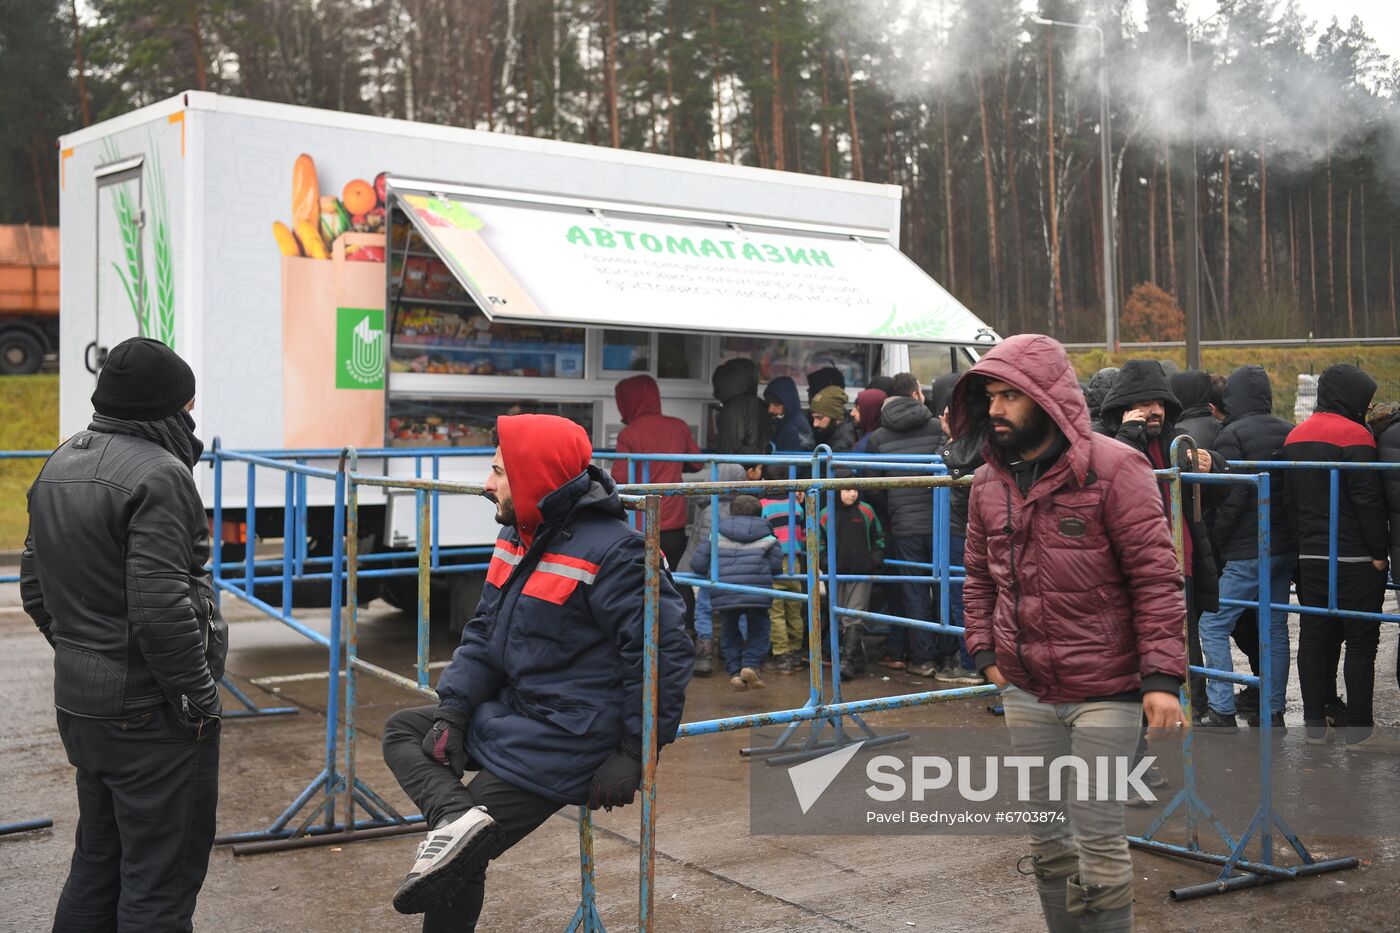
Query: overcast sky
x=1382, y=17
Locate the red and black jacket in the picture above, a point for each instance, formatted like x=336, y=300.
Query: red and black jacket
x=1337, y=432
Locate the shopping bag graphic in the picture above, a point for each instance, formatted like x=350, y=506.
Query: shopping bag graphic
x=332, y=395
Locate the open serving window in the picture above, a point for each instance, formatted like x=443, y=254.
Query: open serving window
x=536, y=260
x=565, y=297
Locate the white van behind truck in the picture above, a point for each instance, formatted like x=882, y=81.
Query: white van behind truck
x=338, y=279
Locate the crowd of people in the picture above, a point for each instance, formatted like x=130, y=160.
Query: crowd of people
x=1146, y=404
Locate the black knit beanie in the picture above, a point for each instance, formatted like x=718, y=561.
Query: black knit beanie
x=142, y=380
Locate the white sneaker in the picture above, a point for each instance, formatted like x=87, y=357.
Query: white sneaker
x=445, y=858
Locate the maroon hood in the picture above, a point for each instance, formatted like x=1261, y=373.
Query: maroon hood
x=637, y=397
x=868, y=404
x=1039, y=367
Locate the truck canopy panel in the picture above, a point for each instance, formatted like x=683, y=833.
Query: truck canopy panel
x=544, y=260
x=29, y=269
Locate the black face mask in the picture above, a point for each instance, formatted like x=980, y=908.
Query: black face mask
x=196, y=445
x=174, y=432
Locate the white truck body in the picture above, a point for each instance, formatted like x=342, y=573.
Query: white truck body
x=166, y=217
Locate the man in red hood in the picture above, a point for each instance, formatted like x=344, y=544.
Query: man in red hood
x=1073, y=606
x=543, y=698
x=648, y=431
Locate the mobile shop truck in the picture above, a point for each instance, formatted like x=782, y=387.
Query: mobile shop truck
x=337, y=279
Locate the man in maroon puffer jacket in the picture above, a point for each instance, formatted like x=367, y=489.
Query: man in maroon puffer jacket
x=1073, y=605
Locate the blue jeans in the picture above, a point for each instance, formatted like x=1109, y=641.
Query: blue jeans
x=1241, y=581
x=704, y=621
x=704, y=615
x=742, y=649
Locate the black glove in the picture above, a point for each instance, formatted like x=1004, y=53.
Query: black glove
x=446, y=741
x=616, y=782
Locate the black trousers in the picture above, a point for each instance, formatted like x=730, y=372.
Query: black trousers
x=1361, y=587
x=147, y=792
x=441, y=797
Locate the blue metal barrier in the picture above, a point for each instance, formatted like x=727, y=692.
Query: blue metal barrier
x=343, y=573
x=824, y=707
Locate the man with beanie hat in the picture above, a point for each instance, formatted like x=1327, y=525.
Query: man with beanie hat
x=543, y=697
x=113, y=575
x=830, y=425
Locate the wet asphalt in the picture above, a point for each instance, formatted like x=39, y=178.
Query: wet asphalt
x=711, y=873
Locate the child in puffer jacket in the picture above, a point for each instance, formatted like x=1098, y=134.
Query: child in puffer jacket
x=749, y=555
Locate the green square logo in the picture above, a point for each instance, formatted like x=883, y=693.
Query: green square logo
x=359, y=348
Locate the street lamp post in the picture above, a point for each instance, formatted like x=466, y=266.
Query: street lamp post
x=1193, y=248
x=1110, y=229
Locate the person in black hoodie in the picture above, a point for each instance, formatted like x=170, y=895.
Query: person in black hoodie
x=113, y=576
x=743, y=426
x=1192, y=390
x=1253, y=433
x=819, y=379
x=1141, y=411
x=1100, y=385
x=962, y=456
x=908, y=427
x=1388, y=451
x=1337, y=431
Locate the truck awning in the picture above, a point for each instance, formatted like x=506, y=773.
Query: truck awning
x=538, y=259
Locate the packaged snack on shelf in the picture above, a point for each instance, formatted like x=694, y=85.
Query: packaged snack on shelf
x=415, y=276
x=441, y=283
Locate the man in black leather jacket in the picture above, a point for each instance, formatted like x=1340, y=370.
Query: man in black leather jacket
x=112, y=574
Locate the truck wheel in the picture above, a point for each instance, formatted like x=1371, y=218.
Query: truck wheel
x=402, y=594
x=20, y=353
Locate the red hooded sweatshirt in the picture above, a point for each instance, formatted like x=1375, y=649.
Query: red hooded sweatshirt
x=648, y=431
x=540, y=453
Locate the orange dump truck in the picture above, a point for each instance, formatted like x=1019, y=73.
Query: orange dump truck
x=28, y=297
